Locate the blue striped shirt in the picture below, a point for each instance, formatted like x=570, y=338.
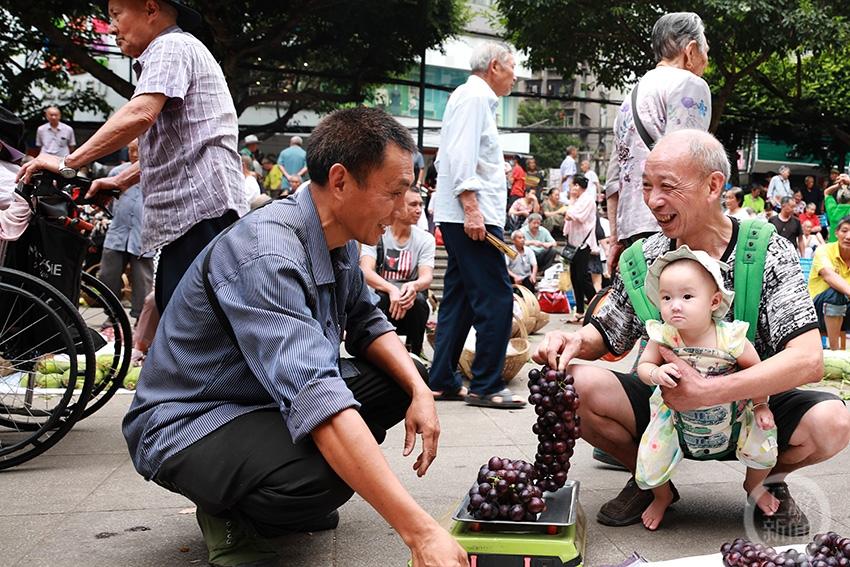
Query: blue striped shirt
x=288, y=299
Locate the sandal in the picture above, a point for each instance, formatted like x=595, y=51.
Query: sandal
x=504, y=399
x=458, y=395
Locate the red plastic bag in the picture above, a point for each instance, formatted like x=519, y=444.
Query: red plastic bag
x=438, y=236
x=553, y=302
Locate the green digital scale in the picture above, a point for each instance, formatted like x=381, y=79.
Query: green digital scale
x=556, y=539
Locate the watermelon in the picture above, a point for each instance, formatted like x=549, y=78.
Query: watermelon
x=836, y=365
x=132, y=377
x=48, y=366
x=104, y=362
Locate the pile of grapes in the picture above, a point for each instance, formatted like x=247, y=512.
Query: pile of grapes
x=825, y=550
x=506, y=490
x=558, y=426
x=513, y=490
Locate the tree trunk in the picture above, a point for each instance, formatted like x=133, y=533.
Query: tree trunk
x=718, y=105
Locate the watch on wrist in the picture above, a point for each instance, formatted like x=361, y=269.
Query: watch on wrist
x=65, y=171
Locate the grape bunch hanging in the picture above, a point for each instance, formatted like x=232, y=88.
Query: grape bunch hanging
x=558, y=425
x=825, y=550
x=513, y=490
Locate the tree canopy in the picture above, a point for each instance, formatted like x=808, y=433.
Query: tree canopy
x=297, y=54
x=765, y=56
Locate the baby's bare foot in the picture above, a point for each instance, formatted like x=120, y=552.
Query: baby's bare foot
x=766, y=501
x=654, y=513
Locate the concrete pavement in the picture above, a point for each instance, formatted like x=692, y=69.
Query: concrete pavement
x=82, y=503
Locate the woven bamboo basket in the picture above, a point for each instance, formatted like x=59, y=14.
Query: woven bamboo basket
x=541, y=321
x=515, y=358
x=518, y=329
x=531, y=306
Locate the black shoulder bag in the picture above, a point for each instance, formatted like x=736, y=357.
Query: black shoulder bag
x=644, y=135
x=568, y=252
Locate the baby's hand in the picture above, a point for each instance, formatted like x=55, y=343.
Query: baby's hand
x=764, y=417
x=666, y=375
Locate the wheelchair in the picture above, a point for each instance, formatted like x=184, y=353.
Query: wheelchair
x=54, y=320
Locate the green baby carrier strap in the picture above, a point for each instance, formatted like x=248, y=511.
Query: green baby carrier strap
x=750, y=256
x=633, y=272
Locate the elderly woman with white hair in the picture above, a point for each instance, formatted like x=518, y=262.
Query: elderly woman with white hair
x=672, y=96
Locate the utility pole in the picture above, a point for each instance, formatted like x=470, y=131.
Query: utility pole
x=421, y=130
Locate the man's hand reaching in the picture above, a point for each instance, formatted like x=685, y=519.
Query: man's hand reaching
x=421, y=419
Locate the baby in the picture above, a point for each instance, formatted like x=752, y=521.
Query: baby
x=687, y=287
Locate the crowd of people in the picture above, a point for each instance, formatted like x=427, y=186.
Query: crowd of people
x=245, y=404
x=805, y=215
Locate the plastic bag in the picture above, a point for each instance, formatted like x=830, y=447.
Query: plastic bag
x=553, y=302
x=659, y=451
x=757, y=448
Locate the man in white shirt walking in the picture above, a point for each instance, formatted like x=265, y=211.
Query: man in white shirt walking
x=469, y=202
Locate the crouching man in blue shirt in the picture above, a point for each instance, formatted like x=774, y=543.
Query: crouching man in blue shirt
x=244, y=404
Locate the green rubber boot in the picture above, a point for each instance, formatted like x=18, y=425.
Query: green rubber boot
x=231, y=544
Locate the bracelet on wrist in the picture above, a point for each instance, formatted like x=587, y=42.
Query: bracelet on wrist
x=652, y=376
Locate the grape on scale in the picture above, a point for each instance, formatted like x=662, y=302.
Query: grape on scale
x=513, y=489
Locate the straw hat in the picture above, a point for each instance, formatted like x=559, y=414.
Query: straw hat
x=710, y=264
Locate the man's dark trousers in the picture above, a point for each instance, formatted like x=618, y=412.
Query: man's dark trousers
x=177, y=256
x=477, y=292
x=412, y=325
x=250, y=470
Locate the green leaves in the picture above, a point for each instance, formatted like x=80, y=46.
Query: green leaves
x=753, y=70
x=295, y=54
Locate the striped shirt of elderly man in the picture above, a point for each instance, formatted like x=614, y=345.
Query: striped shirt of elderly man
x=192, y=183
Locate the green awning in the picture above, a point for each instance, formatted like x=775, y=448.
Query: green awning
x=779, y=153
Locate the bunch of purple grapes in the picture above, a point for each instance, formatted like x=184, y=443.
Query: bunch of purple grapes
x=506, y=491
x=825, y=550
x=558, y=425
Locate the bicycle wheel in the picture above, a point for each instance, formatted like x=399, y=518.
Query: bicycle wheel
x=36, y=408
x=76, y=359
x=100, y=309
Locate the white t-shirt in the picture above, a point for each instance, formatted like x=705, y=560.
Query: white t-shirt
x=400, y=264
x=592, y=182
x=252, y=188
x=523, y=264
x=740, y=214
x=568, y=170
